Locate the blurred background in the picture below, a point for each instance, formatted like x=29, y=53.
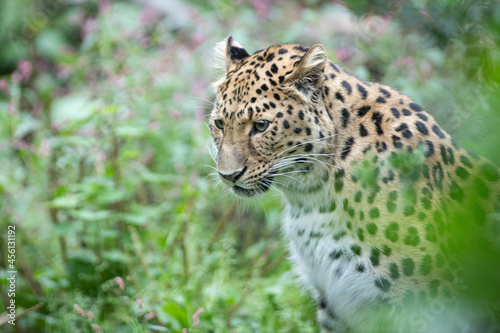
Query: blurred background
x=104, y=152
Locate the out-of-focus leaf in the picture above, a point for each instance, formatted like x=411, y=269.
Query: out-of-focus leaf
x=152, y=177
x=83, y=255
x=66, y=201
x=130, y=131
x=88, y=215
x=175, y=311
x=109, y=196
x=226, y=293
x=71, y=108
x=115, y=256
x=49, y=43
x=62, y=229
x=28, y=124
x=158, y=328
x=109, y=109
x=134, y=219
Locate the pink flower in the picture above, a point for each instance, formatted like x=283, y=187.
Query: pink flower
x=198, y=38
x=96, y=328
x=37, y=108
x=23, y=145
x=145, y=42
x=23, y=72
x=154, y=126
x=149, y=15
x=104, y=6
x=196, y=320
x=119, y=281
x=407, y=62
x=424, y=12
x=149, y=315
x=89, y=27
x=45, y=149
x=262, y=7
x=12, y=108
x=344, y=54
x=79, y=310
x=174, y=114
x=90, y=315
x=198, y=88
x=139, y=302
x=199, y=114
x=25, y=68
x=100, y=159
x=76, y=18
x=179, y=97
x=4, y=86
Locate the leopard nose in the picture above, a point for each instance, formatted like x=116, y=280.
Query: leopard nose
x=233, y=176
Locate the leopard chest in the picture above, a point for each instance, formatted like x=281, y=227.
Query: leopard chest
x=327, y=257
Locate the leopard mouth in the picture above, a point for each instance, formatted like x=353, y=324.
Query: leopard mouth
x=244, y=192
x=263, y=186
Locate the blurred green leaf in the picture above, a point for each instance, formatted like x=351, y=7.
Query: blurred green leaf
x=62, y=229
x=87, y=215
x=134, y=219
x=27, y=125
x=130, y=131
x=72, y=109
x=66, y=201
x=49, y=43
x=175, y=311
x=115, y=256
x=158, y=328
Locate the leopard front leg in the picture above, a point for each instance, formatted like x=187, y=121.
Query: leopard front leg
x=327, y=319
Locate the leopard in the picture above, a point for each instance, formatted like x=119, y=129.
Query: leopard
x=382, y=207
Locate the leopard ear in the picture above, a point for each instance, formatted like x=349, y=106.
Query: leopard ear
x=307, y=76
x=229, y=53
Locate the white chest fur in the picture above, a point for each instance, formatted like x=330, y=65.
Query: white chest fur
x=321, y=251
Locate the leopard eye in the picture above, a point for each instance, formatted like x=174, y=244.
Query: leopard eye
x=219, y=123
x=261, y=125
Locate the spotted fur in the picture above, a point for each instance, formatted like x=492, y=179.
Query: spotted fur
x=368, y=178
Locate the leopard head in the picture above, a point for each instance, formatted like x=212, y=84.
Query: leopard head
x=268, y=116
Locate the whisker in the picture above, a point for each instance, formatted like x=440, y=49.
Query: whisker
x=305, y=156
x=303, y=143
x=290, y=160
x=281, y=184
x=205, y=100
x=204, y=108
x=212, y=151
x=288, y=176
x=313, y=154
x=308, y=157
x=278, y=173
x=268, y=185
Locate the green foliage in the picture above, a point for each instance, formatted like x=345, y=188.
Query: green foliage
x=105, y=168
